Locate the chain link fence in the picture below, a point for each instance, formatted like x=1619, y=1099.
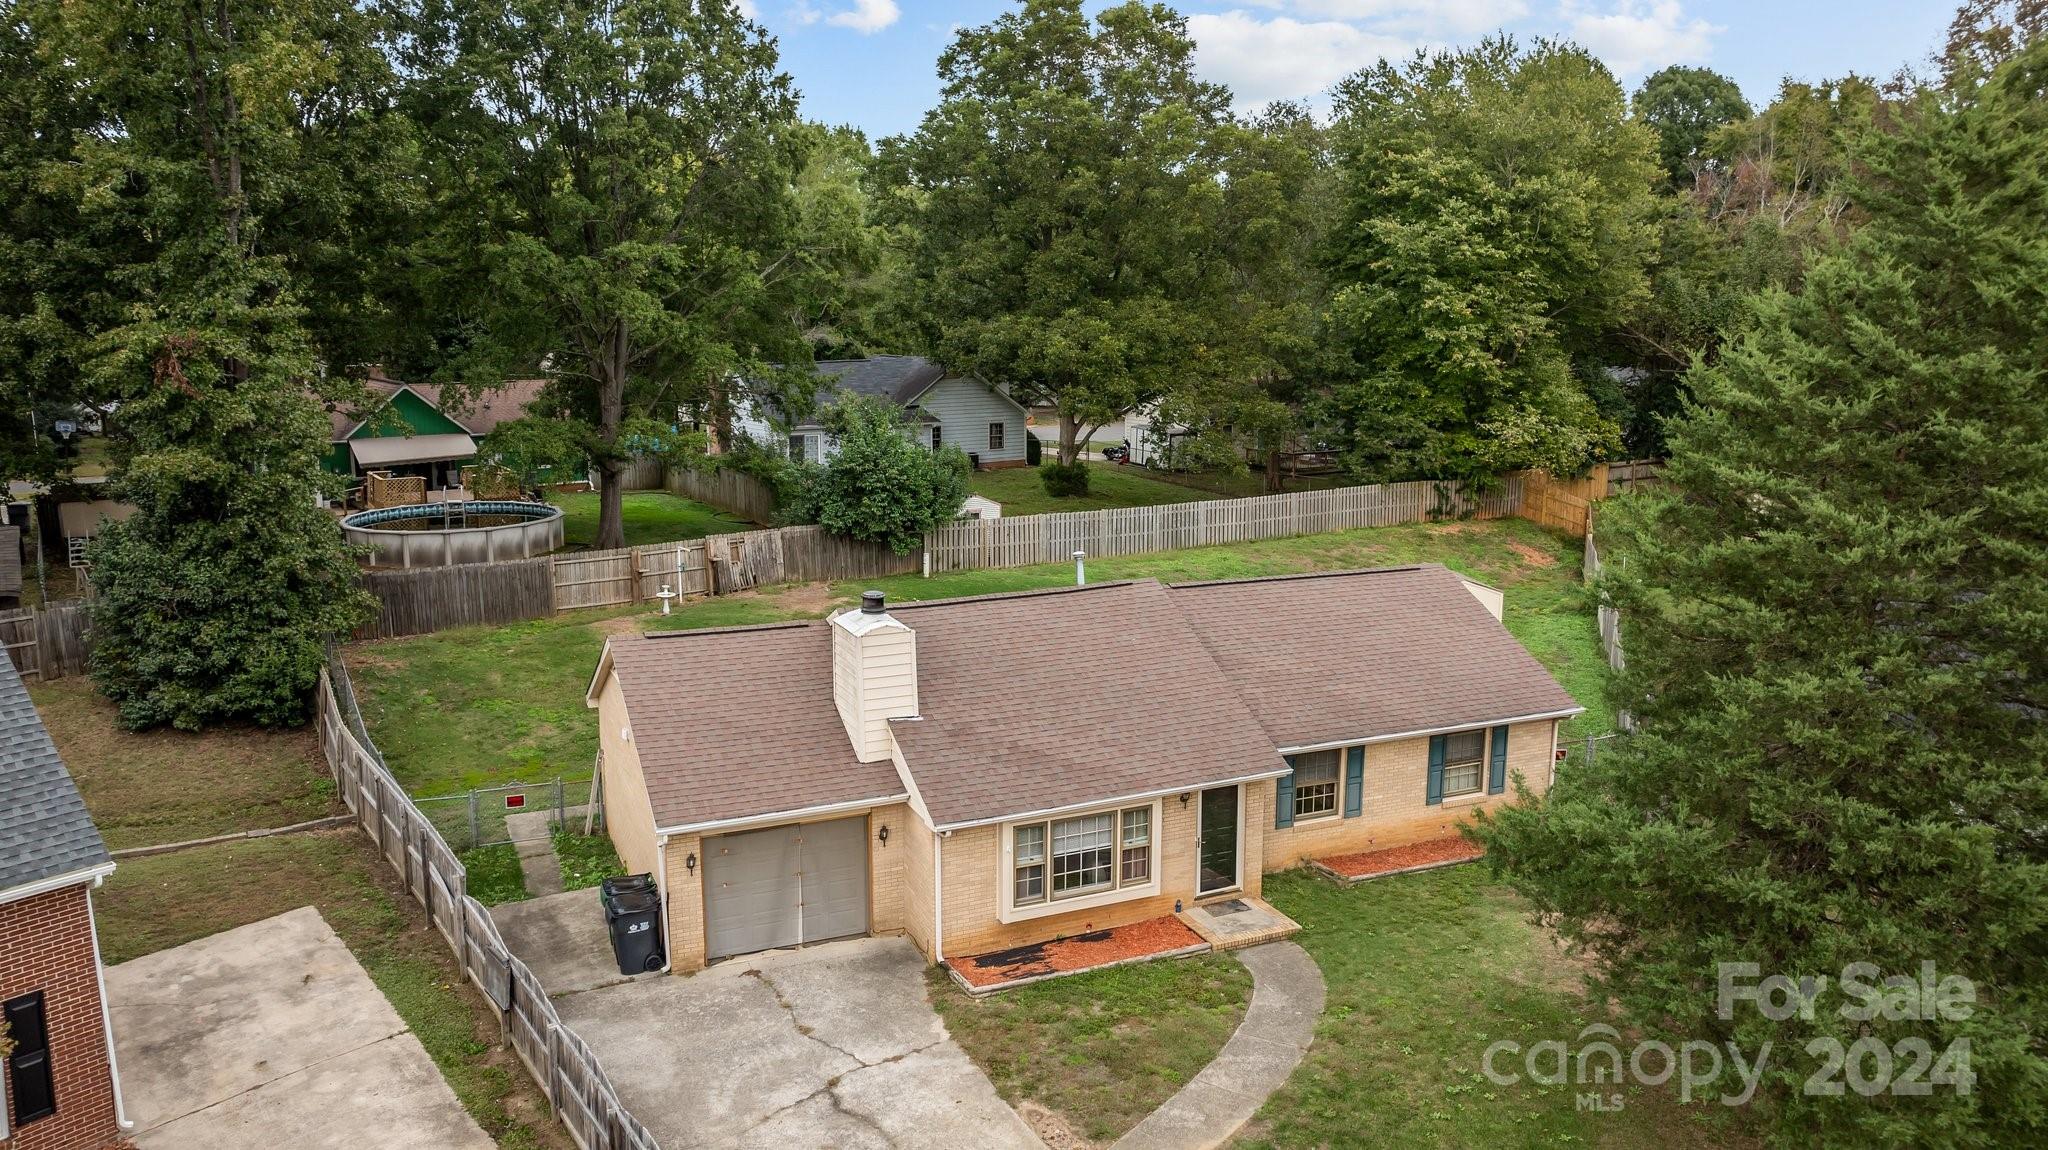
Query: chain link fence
x=488, y=816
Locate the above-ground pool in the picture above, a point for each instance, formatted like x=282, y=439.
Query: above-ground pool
x=441, y=534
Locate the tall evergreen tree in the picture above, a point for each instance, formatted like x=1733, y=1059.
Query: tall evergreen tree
x=1836, y=616
x=227, y=143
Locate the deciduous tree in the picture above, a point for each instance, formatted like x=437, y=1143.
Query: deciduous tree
x=882, y=486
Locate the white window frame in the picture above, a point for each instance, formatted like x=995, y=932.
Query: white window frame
x=1118, y=891
x=1479, y=776
x=997, y=434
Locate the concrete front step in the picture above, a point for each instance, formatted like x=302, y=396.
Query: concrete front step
x=1239, y=921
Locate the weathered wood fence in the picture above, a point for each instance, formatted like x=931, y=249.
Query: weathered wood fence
x=584, y=1100
x=428, y=599
x=1022, y=540
x=735, y=491
x=47, y=642
x=1631, y=473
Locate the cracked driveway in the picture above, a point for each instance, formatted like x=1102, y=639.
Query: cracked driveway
x=832, y=1045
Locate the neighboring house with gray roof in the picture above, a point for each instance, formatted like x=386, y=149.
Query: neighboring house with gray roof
x=59, y=1087
x=938, y=408
x=956, y=772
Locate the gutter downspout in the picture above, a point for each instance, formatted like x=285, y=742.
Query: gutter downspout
x=668, y=942
x=939, y=895
x=99, y=971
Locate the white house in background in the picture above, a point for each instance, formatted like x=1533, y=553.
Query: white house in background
x=977, y=417
x=980, y=507
x=1152, y=441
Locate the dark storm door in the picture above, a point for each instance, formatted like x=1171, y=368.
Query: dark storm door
x=1218, y=850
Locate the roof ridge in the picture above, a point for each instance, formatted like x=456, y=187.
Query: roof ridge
x=1027, y=593
x=784, y=625
x=1301, y=575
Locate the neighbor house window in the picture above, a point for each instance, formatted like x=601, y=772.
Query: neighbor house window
x=1086, y=854
x=935, y=437
x=1315, y=784
x=995, y=436
x=1464, y=757
x=796, y=447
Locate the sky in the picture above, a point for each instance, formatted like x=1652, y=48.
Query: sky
x=873, y=63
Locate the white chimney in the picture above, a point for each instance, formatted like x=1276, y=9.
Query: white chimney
x=874, y=675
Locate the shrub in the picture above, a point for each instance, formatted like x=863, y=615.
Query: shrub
x=882, y=487
x=1062, y=480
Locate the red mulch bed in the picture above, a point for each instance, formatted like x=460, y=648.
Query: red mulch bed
x=1371, y=863
x=1078, y=952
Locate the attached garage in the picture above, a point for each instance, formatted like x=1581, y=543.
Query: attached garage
x=785, y=886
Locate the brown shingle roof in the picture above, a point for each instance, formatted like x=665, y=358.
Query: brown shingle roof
x=736, y=722
x=1046, y=700
x=480, y=413
x=1365, y=654
x=1050, y=699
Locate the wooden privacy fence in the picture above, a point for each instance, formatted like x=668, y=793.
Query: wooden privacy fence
x=583, y=1098
x=47, y=642
x=1561, y=504
x=1022, y=540
x=734, y=491
x=431, y=599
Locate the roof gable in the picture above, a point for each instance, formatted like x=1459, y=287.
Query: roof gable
x=45, y=831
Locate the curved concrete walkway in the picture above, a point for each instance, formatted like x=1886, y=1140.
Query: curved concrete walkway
x=1287, y=998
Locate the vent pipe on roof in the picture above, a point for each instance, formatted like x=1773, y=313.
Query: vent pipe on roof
x=1080, y=568
x=871, y=603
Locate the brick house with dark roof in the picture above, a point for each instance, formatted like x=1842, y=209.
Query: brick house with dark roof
x=796, y=782
x=59, y=1087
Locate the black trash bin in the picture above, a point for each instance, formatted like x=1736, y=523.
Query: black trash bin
x=632, y=910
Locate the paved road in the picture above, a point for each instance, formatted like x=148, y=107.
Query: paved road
x=271, y=1035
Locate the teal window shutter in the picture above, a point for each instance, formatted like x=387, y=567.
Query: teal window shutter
x=1497, y=770
x=1354, y=782
x=1283, y=797
x=1436, y=769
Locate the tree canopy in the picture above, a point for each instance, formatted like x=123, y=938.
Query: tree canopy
x=881, y=485
x=1685, y=107
x=1837, y=635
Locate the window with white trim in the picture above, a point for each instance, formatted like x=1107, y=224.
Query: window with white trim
x=1082, y=855
x=995, y=436
x=1464, y=762
x=1315, y=784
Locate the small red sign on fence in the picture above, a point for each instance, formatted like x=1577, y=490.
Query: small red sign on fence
x=512, y=802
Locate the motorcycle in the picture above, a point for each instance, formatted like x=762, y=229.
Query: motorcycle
x=1120, y=454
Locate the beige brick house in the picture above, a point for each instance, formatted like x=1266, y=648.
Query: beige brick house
x=985, y=772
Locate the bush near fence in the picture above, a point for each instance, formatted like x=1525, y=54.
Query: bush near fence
x=584, y=1100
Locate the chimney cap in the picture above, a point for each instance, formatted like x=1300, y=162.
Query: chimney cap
x=871, y=603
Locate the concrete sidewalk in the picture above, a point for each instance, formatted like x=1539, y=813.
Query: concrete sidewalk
x=272, y=1035
x=1287, y=998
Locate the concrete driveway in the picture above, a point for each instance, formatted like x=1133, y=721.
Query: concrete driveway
x=272, y=1035
x=828, y=1046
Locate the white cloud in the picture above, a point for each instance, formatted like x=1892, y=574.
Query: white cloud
x=1283, y=58
x=867, y=16
x=1637, y=38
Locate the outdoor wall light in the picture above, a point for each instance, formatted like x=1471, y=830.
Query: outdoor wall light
x=883, y=834
x=690, y=863
x=1184, y=798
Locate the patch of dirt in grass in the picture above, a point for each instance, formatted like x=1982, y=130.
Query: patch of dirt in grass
x=1531, y=555
x=809, y=598
x=1051, y=1128
x=628, y=625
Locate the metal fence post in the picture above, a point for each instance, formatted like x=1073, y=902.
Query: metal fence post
x=475, y=827
x=561, y=807
x=1589, y=752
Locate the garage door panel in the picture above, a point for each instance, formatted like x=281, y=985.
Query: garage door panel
x=835, y=886
x=750, y=883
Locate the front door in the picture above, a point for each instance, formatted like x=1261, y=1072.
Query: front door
x=1217, y=851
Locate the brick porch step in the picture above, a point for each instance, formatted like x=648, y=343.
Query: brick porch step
x=1242, y=920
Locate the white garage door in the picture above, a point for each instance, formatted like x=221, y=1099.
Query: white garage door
x=785, y=886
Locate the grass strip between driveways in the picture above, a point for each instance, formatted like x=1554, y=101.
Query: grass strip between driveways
x=1103, y=1049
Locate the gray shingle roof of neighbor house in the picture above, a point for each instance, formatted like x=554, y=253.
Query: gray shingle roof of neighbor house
x=898, y=378
x=1367, y=654
x=1048, y=700
x=45, y=831
x=739, y=721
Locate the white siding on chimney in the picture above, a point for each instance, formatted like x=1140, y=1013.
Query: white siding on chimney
x=874, y=679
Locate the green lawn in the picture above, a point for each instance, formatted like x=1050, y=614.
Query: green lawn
x=586, y=860
x=1424, y=972
x=1104, y=1049
x=165, y=786
x=650, y=517
x=1020, y=492
x=486, y=705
